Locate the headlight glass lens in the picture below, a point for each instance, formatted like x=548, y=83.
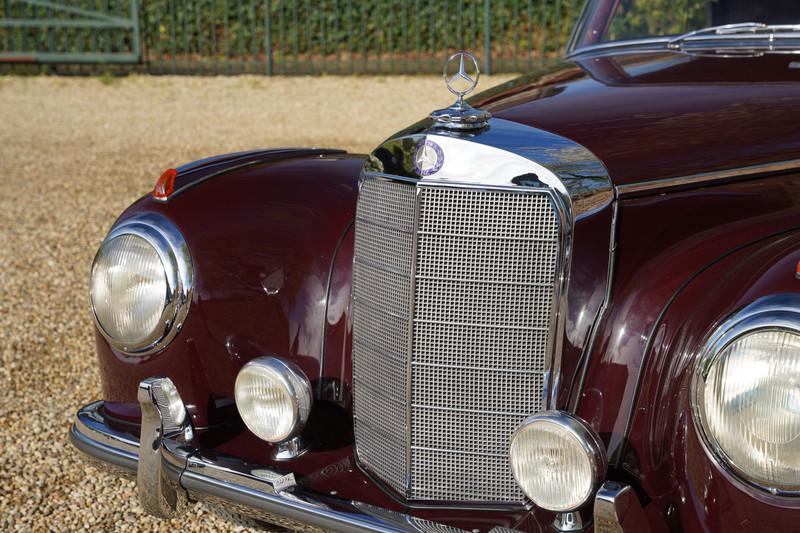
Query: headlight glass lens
x=751, y=406
x=551, y=466
x=272, y=398
x=129, y=289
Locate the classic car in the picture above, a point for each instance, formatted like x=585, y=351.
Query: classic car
x=571, y=302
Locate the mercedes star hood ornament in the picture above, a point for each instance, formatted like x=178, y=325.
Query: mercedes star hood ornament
x=461, y=74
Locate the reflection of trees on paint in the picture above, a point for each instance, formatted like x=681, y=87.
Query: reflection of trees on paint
x=585, y=174
x=641, y=18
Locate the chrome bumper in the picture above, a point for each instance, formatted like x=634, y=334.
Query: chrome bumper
x=171, y=472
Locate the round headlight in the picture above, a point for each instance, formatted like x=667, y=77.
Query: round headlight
x=141, y=277
x=747, y=399
x=273, y=398
x=129, y=288
x=557, y=460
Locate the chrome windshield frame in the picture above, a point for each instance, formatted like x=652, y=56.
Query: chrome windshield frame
x=755, y=37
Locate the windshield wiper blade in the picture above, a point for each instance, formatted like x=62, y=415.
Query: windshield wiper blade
x=727, y=30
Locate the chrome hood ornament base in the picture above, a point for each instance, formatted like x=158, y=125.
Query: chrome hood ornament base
x=461, y=74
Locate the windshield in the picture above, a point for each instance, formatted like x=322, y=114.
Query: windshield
x=605, y=21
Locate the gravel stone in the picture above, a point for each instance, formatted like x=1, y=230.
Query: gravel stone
x=74, y=152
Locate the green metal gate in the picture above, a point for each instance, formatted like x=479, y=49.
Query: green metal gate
x=285, y=36
x=42, y=31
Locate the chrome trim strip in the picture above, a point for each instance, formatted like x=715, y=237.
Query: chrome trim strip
x=488, y=282
x=246, y=488
x=479, y=454
x=705, y=177
x=757, y=44
x=412, y=295
x=464, y=410
x=586, y=354
x=648, y=42
x=467, y=367
x=478, y=325
x=578, y=28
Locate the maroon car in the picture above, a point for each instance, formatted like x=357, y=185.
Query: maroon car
x=572, y=304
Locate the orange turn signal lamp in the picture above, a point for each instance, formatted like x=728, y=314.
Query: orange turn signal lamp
x=165, y=184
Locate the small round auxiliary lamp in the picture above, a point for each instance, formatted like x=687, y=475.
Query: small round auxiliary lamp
x=564, y=482
x=274, y=399
x=461, y=74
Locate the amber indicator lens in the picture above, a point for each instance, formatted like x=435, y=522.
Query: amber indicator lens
x=165, y=185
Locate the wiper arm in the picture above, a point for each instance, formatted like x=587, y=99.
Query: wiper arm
x=726, y=30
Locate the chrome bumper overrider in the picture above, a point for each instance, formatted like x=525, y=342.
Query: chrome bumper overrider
x=171, y=472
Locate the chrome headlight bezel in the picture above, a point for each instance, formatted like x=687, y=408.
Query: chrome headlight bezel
x=776, y=313
x=165, y=238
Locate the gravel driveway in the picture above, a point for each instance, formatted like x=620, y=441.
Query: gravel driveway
x=74, y=152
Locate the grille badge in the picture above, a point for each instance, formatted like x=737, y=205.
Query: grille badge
x=428, y=158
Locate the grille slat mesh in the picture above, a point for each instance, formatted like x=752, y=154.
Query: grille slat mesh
x=483, y=280
x=382, y=275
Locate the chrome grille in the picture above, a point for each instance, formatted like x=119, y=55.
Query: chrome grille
x=384, y=242
x=477, y=270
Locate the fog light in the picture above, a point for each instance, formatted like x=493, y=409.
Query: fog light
x=273, y=397
x=557, y=460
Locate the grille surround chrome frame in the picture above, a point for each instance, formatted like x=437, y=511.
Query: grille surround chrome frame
x=555, y=326
x=488, y=166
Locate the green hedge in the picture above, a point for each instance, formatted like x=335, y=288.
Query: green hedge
x=286, y=36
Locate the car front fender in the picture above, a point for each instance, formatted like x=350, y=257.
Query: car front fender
x=263, y=230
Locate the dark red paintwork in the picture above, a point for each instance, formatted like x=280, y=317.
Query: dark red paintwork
x=683, y=261
x=276, y=224
x=664, y=451
x=657, y=115
x=196, y=172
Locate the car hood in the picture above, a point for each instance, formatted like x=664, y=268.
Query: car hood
x=655, y=115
